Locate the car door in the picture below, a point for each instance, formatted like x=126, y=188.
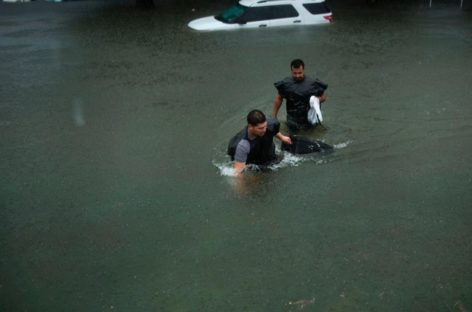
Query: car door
x=284, y=15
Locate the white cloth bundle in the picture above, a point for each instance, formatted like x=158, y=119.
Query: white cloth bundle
x=314, y=113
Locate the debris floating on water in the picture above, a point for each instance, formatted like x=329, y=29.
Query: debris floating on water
x=301, y=304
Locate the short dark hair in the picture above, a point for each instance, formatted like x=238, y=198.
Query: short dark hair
x=255, y=117
x=296, y=63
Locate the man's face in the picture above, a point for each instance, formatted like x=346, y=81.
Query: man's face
x=259, y=129
x=298, y=73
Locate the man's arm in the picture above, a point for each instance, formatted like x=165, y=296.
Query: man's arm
x=277, y=103
x=322, y=98
x=240, y=156
x=283, y=138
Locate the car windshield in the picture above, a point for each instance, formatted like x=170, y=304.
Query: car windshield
x=231, y=14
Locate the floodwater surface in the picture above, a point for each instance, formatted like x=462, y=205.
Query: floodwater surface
x=116, y=193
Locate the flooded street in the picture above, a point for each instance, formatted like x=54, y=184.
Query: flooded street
x=114, y=186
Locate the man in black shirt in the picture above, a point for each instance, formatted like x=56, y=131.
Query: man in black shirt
x=297, y=90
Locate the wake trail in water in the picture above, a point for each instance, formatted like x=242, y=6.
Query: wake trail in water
x=289, y=160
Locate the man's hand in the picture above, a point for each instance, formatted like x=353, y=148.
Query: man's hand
x=323, y=97
x=238, y=167
x=285, y=139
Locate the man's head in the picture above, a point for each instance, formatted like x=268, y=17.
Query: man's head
x=256, y=123
x=298, y=69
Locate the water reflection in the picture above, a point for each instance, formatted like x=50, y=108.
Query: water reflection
x=78, y=112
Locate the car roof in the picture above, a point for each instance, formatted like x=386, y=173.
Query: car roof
x=265, y=2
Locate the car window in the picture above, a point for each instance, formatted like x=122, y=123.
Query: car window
x=231, y=14
x=253, y=14
x=317, y=8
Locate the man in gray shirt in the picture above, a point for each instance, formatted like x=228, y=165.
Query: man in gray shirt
x=254, y=144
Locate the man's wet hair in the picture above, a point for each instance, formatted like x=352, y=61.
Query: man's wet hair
x=255, y=117
x=296, y=63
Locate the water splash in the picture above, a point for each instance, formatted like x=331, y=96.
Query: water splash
x=225, y=168
x=289, y=160
x=342, y=144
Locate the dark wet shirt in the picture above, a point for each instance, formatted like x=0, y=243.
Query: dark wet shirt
x=297, y=95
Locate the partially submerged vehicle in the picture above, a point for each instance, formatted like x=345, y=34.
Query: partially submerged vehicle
x=266, y=13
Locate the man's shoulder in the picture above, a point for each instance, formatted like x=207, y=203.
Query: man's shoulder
x=234, y=141
x=243, y=147
x=244, y=143
x=316, y=82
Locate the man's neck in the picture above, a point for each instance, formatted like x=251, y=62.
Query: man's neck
x=250, y=135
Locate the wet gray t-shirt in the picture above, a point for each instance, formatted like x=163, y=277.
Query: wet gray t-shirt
x=242, y=150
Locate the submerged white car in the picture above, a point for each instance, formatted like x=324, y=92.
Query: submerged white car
x=266, y=13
